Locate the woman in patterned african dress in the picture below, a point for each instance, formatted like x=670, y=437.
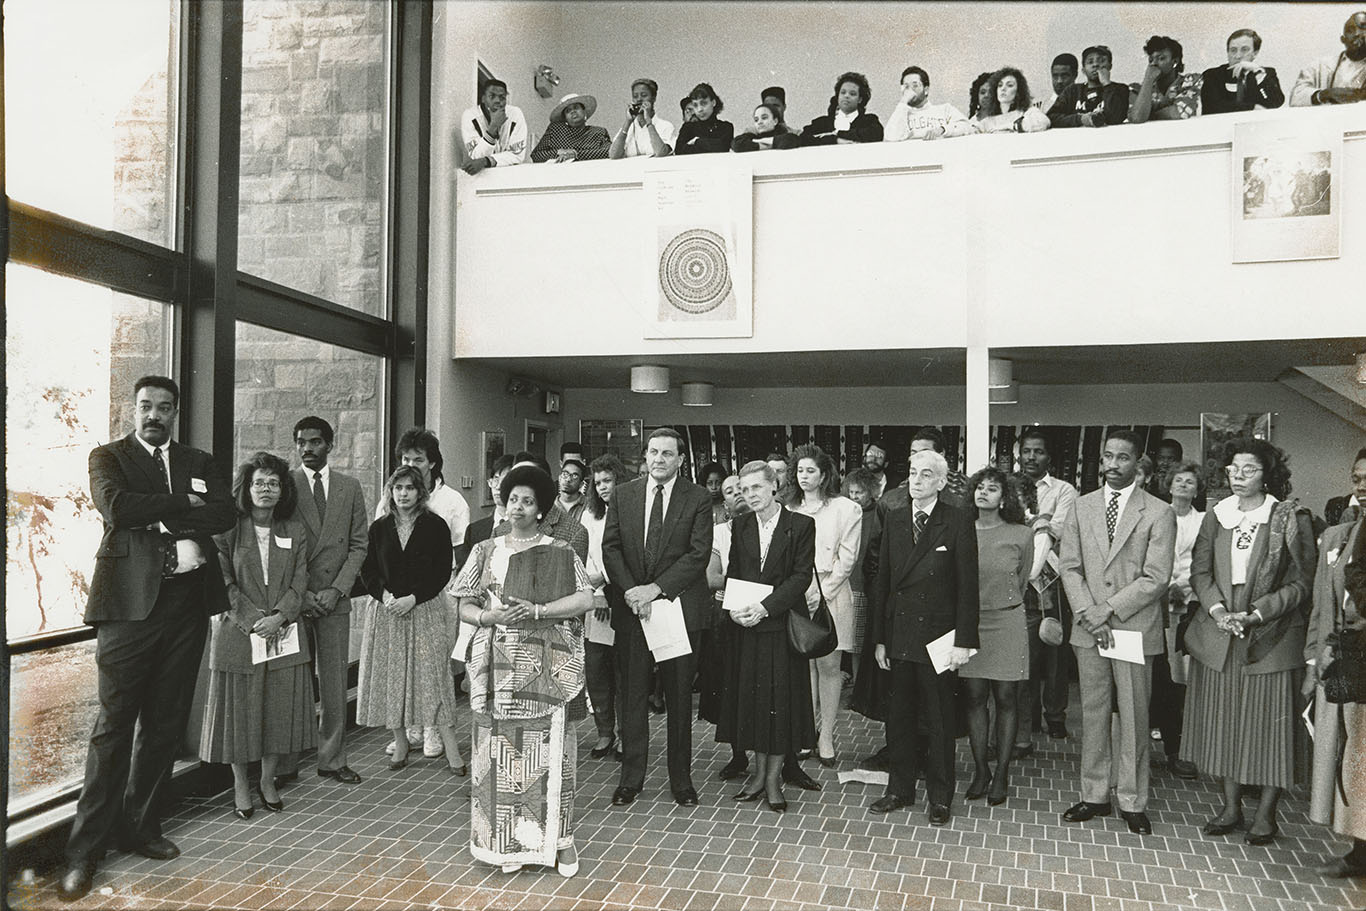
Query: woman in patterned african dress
x=527, y=594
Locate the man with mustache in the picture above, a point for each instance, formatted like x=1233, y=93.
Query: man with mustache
x=1116, y=561
x=1338, y=79
x=156, y=582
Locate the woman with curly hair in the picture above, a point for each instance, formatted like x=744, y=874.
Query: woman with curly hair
x=847, y=120
x=706, y=132
x=1005, y=558
x=978, y=95
x=1251, y=568
x=1008, y=107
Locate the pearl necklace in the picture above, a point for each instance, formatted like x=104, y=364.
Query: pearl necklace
x=512, y=537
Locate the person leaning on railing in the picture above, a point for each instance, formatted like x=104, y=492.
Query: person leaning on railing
x=847, y=120
x=1008, y=107
x=569, y=137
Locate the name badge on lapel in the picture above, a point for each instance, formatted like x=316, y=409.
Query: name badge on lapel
x=284, y=543
x=941, y=549
x=197, y=485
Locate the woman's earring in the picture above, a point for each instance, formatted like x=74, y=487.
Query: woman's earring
x=538, y=517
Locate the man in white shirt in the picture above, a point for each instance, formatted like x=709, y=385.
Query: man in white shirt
x=494, y=133
x=643, y=133
x=915, y=118
x=1337, y=79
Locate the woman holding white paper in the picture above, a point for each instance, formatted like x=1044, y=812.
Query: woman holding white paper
x=527, y=593
x=766, y=696
x=1252, y=569
x=599, y=668
x=259, y=711
x=405, y=672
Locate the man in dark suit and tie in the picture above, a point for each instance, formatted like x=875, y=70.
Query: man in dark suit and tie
x=332, y=508
x=656, y=545
x=1116, y=564
x=926, y=587
x=155, y=584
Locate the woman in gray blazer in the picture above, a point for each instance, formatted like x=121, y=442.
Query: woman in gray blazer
x=259, y=711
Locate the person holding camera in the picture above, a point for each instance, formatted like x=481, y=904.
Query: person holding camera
x=643, y=133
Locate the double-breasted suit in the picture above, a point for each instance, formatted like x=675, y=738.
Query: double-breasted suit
x=680, y=571
x=150, y=629
x=924, y=588
x=1129, y=573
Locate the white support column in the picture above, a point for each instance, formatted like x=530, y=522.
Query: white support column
x=978, y=448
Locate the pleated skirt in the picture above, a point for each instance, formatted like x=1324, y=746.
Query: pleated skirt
x=265, y=711
x=766, y=694
x=405, y=672
x=1004, y=651
x=1240, y=725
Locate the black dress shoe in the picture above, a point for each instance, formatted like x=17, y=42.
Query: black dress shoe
x=977, y=788
x=828, y=761
x=686, y=797
x=938, y=814
x=344, y=775
x=777, y=806
x=1138, y=822
x=735, y=768
x=1262, y=838
x=244, y=815
x=76, y=881
x=1215, y=828
x=274, y=806
x=744, y=797
x=1082, y=811
x=1057, y=730
x=624, y=795
x=1184, y=768
x=1022, y=751
x=156, y=849
x=889, y=802
x=604, y=752
x=794, y=775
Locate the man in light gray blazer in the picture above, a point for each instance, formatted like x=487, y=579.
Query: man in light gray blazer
x=332, y=508
x=1115, y=563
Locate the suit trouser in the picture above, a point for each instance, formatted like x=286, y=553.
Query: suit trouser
x=147, y=671
x=1046, y=688
x=330, y=640
x=634, y=661
x=1114, y=748
x=600, y=676
x=1168, y=703
x=920, y=714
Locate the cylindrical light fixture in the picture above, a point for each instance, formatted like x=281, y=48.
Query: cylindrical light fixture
x=1000, y=373
x=1004, y=395
x=697, y=394
x=650, y=379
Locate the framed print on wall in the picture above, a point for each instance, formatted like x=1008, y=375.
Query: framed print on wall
x=1287, y=192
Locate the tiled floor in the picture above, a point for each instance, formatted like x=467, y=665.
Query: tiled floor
x=399, y=840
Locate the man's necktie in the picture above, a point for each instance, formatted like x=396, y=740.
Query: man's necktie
x=1112, y=514
x=161, y=468
x=655, y=530
x=921, y=519
x=319, y=495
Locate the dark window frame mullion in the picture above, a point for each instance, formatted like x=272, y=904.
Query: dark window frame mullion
x=272, y=306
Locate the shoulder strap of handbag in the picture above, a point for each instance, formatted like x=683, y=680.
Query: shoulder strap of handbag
x=815, y=574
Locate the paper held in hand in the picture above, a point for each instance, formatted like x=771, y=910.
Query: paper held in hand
x=1128, y=646
x=665, y=632
x=740, y=593
x=940, y=650
x=285, y=642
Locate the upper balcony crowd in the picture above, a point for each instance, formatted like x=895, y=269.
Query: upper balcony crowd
x=497, y=134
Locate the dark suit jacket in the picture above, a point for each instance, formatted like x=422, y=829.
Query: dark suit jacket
x=337, y=543
x=474, y=533
x=1215, y=98
x=865, y=128
x=250, y=597
x=422, y=569
x=791, y=559
x=680, y=571
x=130, y=494
x=925, y=589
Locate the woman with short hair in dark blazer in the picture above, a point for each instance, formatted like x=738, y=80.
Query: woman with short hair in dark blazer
x=847, y=120
x=706, y=132
x=1005, y=559
x=1252, y=569
x=405, y=677
x=259, y=711
x=766, y=695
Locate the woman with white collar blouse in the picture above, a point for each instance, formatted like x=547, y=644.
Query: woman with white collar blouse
x=1252, y=568
x=847, y=120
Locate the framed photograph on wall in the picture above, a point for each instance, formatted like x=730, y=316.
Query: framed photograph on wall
x=1216, y=430
x=622, y=438
x=1287, y=192
x=492, y=446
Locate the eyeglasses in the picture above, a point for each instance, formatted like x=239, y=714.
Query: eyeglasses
x=1244, y=473
x=265, y=485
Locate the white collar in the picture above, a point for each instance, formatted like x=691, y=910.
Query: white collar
x=151, y=450
x=773, y=520
x=1230, y=516
x=927, y=510
x=325, y=471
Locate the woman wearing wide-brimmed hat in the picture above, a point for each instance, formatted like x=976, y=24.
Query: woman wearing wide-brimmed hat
x=569, y=137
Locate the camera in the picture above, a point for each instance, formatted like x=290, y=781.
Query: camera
x=635, y=110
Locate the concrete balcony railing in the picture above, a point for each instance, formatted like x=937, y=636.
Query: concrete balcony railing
x=1115, y=235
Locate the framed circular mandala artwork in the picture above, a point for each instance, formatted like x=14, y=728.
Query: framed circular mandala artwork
x=694, y=274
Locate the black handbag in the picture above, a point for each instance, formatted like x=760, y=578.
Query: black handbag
x=1344, y=679
x=814, y=636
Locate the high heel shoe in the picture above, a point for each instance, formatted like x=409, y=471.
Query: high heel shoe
x=1214, y=827
x=779, y=805
x=273, y=806
x=604, y=752
x=746, y=797
x=977, y=788
x=396, y=765
x=459, y=771
x=244, y=815
x=996, y=794
x=1263, y=838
